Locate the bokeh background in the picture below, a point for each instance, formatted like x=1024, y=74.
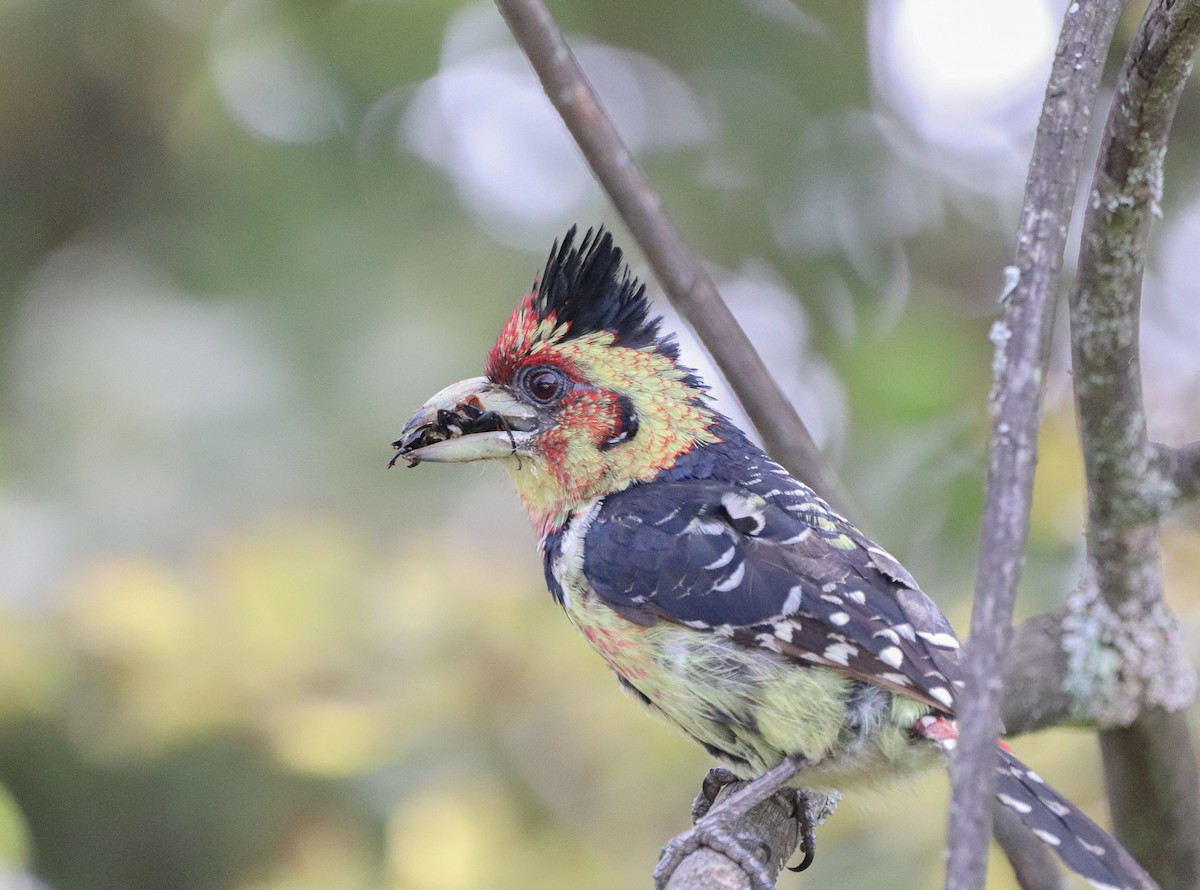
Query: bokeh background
x=240, y=240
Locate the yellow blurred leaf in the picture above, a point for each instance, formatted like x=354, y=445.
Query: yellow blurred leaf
x=33, y=666
x=332, y=736
x=15, y=842
x=130, y=608
x=318, y=856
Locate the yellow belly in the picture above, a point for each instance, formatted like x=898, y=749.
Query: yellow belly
x=751, y=707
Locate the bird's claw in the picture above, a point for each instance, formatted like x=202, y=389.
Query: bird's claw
x=716, y=832
x=802, y=810
x=714, y=829
x=714, y=780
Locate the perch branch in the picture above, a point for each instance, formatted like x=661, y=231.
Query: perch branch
x=1022, y=342
x=772, y=822
x=683, y=277
x=1156, y=819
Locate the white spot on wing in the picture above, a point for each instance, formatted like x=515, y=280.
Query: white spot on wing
x=1013, y=804
x=707, y=527
x=737, y=506
x=898, y=679
x=768, y=641
x=840, y=653
x=668, y=517
x=792, y=603
x=891, y=655
x=796, y=539
x=889, y=634
x=941, y=640
x=742, y=508
x=942, y=694
x=723, y=560
x=839, y=618
x=1055, y=807
x=857, y=596
x=1051, y=839
x=734, y=579
x=783, y=630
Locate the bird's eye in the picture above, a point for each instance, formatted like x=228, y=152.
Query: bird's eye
x=545, y=384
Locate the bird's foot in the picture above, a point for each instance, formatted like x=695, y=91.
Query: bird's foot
x=717, y=830
x=717, y=778
x=717, y=824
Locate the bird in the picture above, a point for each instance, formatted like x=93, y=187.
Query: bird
x=728, y=598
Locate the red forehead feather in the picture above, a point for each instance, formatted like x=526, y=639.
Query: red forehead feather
x=519, y=335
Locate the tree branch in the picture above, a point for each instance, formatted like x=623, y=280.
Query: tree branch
x=1086, y=664
x=1123, y=490
x=1156, y=812
x=1035, y=666
x=772, y=822
x=1126, y=492
x=1022, y=341
x=685, y=280
x=1181, y=467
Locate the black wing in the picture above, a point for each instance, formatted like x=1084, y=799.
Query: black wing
x=786, y=574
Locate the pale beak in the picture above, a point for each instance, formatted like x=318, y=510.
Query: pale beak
x=473, y=419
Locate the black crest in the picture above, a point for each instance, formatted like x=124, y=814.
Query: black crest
x=590, y=287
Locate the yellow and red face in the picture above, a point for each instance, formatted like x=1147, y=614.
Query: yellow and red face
x=581, y=397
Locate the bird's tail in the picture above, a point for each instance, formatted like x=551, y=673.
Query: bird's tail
x=1080, y=843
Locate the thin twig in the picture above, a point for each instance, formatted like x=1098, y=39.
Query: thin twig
x=685, y=280
x=1156, y=820
x=1022, y=340
x=1181, y=467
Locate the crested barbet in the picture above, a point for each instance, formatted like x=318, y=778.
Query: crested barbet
x=728, y=598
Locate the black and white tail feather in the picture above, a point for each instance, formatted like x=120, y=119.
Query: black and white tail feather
x=1079, y=842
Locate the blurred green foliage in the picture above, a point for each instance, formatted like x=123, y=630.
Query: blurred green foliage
x=238, y=245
